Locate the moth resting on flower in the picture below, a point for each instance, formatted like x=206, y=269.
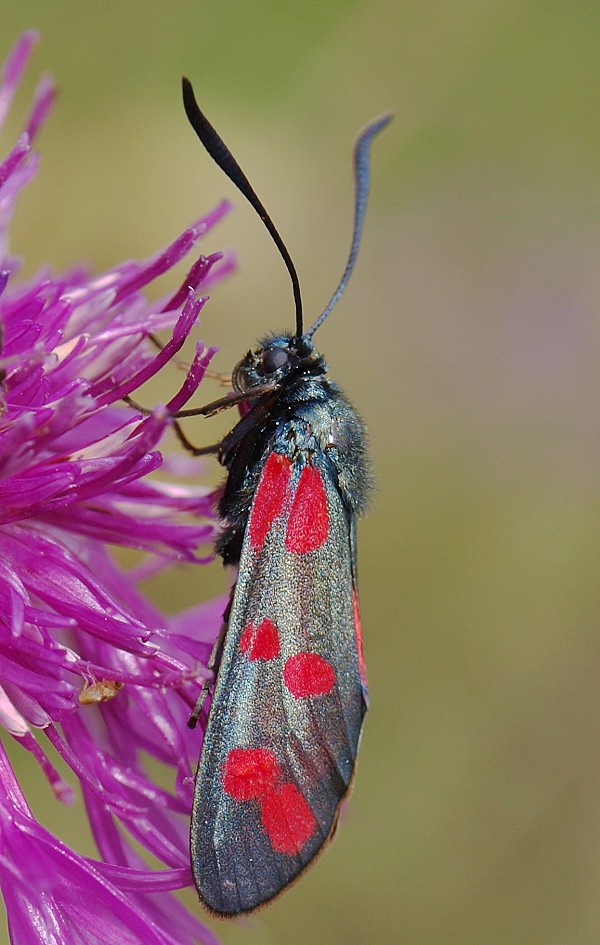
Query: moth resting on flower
x=290, y=689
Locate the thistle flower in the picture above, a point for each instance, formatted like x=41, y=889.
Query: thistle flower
x=86, y=661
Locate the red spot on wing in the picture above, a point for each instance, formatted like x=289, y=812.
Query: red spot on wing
x=269, y=498
x=287, y=819
x=262, y=642
x=308, y=674
x=249, y=773
x=359, y=645
x=308, y=524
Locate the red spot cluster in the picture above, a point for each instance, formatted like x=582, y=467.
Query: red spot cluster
x=254, y=774
x=262, y=642
x=308, y=521
x=305, y=674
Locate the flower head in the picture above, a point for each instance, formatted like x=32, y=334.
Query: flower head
x=86, y=661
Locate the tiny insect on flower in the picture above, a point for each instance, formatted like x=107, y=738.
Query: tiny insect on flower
x=290, y=690
x=89, y=667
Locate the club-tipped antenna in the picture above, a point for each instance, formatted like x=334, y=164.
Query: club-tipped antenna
x=222, y=156
x=362, y=178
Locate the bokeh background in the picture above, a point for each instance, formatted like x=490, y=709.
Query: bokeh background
x=470, y=341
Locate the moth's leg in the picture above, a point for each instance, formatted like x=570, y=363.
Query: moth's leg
x=208, y=410
x=214, y=407
x=224, y=403
x=214, y=661
x=223, y=379
x=133, y=403
x=187, y=445
x=257, y=394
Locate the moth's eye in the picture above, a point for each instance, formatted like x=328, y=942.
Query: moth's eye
x=273, y=359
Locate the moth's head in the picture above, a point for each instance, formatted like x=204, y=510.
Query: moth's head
x=275, y=359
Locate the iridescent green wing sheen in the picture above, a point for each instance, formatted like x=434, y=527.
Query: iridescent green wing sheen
x=286, y=715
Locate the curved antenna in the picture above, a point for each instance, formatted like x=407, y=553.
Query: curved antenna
x=362, y=177
x=222, y=156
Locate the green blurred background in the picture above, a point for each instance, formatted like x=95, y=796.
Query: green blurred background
x=470, y=341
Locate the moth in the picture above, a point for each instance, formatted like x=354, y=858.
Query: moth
x=289, y=691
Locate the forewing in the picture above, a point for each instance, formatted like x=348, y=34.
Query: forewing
x=289, y=700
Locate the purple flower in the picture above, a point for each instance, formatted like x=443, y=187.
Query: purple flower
x=86, y=661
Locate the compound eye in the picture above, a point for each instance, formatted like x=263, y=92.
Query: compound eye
x=273, y=359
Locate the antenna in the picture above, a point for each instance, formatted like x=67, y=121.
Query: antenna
x=362, y=178
x=222, y=156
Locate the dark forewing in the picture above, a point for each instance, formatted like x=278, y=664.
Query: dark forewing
x=287, y=710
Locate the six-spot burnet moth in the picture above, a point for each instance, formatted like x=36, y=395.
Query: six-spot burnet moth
x=289, y=691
